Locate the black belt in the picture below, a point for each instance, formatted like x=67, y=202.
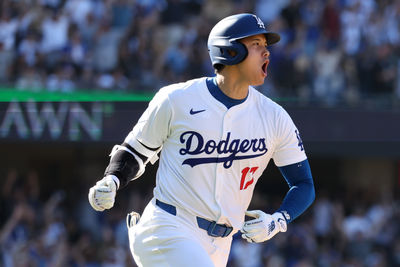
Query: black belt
x=213, y=229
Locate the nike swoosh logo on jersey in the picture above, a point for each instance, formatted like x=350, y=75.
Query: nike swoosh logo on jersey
x=192, y=112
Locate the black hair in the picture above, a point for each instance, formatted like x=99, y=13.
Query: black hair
x=218, y=68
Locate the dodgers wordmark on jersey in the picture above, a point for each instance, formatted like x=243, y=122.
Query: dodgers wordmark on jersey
x=212, y=156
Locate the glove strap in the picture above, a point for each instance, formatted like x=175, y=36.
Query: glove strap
x=281, y=221
x=114, y=179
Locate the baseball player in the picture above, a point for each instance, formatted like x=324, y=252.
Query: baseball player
x=215, y=136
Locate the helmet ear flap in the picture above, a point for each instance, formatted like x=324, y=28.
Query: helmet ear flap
x=233, y=54
x=241, y=52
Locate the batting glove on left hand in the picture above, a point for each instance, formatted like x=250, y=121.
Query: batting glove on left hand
x=263, y=227
x=102, y=195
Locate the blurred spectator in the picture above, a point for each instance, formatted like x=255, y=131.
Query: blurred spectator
x=7, y=61
x=323, y=222
x=392, y=23
x=29, y=49
x=384, y=70
x=330, y=21
x=8, y=26
x=88, y=30
x=291, y=13
x=104, y=81
x=175, y=61
x=29, y=17
x=86, y=79
x=122, y=14
x=121, y=82
x=105, y=50
x=112, y=253
x=54, y=31
x=356, y=226
x=76, y=52
x=173, y=13
x=269, y=10
x=61, y=80
x=351, y=80
x=352, y=21
x=245, y=254
x=30, y=80
x=329, y=77
x=78, y=11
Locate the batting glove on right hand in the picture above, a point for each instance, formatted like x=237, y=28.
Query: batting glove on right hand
x=102, y=195
x=263, y=227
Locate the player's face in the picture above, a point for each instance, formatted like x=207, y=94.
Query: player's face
x=254, y=67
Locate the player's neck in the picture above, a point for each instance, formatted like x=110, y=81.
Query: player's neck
x=232, y=87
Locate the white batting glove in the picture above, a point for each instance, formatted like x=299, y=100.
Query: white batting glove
x=102, y=195
x=263, y=227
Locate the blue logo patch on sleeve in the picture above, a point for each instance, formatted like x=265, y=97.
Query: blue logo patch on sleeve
x=300, y=144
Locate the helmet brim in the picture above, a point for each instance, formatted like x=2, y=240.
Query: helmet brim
x=272, y=38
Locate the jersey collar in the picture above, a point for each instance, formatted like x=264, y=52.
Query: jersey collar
x=217, y=93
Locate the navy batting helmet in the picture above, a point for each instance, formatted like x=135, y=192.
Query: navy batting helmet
x=226, y=33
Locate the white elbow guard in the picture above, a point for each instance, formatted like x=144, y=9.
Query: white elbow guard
x=151, y=154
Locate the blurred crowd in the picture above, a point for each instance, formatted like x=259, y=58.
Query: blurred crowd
x=42, y=226
x=331, y=50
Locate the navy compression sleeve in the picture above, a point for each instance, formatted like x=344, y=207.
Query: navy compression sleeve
x=301, y=193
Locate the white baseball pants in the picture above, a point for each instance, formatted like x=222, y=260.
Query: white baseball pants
x=161, y=239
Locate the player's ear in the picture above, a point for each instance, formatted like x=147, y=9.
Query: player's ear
x=232, y=53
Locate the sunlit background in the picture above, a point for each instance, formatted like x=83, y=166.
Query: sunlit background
x=75, y=75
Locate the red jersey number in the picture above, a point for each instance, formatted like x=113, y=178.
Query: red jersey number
x=247, y=177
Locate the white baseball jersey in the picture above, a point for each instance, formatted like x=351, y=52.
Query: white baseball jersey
x=212, y=156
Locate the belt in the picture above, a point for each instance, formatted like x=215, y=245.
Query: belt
x=213, y=229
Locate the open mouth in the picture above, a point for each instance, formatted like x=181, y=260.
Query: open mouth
x=264, y=67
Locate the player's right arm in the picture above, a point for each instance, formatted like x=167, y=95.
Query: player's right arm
x=126, y=164
x=128, y=160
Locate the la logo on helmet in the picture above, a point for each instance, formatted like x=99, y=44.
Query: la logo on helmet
x=259, y=22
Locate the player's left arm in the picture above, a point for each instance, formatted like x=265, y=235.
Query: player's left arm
x=299, y=197
x=291, y=159
x=301, y=194
x=301, y=189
